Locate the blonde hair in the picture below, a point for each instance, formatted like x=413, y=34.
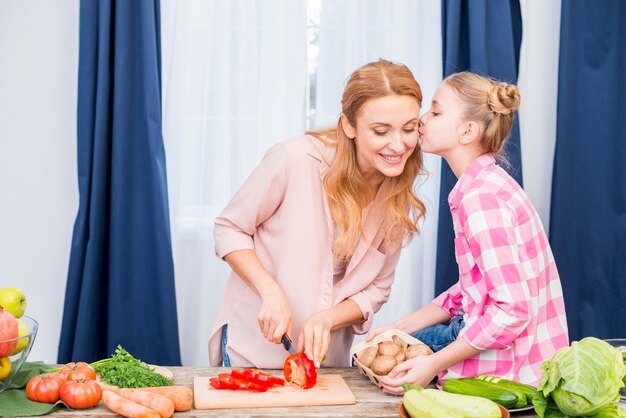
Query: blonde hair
x=489, y=102
x=344, y=183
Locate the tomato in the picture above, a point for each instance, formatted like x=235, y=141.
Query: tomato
x=80, y=370
x=80, y=394
x=296, y=368
x=45, y=387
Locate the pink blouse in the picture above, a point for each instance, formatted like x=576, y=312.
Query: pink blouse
x=281, y=212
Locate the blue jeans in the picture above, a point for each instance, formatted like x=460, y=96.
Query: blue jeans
x=225, y=358
x=440, y=335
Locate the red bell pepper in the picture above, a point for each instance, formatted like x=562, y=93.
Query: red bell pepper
x=299, y=369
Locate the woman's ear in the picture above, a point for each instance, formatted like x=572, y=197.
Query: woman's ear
x=347, y=128
x=470, y=134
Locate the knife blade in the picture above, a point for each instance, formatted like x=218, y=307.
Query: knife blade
x=288, y=344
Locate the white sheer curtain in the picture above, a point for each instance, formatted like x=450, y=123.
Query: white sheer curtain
x=538, y=84
x=233, y=84
x=353, y=33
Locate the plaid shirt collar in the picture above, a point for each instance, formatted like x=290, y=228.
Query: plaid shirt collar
x=470, y=173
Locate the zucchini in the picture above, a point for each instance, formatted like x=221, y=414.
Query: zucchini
x=488, y=390
x=468, y=406
x=529, y=391
x=419, y=405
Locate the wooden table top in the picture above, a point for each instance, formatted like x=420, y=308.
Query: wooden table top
x=371, y=401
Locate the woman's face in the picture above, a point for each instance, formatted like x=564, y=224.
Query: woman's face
x=385, y=135
x=442, y=125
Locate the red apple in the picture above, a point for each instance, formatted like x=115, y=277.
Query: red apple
x=8, y=331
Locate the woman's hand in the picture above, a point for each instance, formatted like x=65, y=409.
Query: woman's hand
x=419, y=370
x=377, y=331
x=275, y=315
x=315, y=337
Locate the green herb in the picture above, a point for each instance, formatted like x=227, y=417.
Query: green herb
x=125, y=371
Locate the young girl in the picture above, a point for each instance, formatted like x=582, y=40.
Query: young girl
x=505, y=315
x=314, y=234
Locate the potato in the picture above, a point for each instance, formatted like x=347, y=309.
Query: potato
x=402, y=344
x=382, y=365
x=417, y=350
x=388, y=348
x=367, y=356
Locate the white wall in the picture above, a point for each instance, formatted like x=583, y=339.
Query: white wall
x=38, y=180
x=38, y=184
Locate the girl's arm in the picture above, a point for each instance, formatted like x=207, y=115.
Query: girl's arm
x=422, y=370
x=427, y=316
x=275, y=315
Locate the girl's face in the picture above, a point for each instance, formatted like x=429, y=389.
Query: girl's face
x=443, y=124
x=385, y=136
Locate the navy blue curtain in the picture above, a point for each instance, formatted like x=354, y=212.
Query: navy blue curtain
x=588, y=210
x=120, y=284
x=482, y=36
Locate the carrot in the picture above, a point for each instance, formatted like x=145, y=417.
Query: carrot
x=160, y=403
x=182, y=396
x=126, y=407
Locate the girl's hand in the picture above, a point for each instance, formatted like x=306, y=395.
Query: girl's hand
x=419, y=370
x=275, y=315
x=315, y=337
x=377, y=331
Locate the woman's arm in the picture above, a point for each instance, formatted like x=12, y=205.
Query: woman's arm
x=275, y=315
x=315, y=334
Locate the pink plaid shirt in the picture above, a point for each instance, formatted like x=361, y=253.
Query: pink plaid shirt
x=509, y=291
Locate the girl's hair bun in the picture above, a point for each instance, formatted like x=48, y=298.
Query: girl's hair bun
x=503, y=98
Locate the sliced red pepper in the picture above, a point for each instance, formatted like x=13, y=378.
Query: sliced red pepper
x=215, y=382
x=265, y=377
x=248, y=379
x=245, y=384
x=227, y=381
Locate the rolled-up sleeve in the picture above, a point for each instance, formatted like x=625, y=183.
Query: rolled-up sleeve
x=488, y=226
x=254, y=202
x=450, y=300
x=376, y=294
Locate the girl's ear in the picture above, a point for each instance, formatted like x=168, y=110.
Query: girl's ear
x=347, y=128
x=470, y=134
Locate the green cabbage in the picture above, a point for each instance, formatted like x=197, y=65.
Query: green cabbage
x=580, y=380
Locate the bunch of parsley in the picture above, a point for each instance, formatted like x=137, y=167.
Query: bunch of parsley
x=125, y=371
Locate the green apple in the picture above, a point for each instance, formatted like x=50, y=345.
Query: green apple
x=22, y=329
x=13, y=300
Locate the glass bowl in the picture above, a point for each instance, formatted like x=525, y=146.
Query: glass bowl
x=16, y=360
x=620, y=344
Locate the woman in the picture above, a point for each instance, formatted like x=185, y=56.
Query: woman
x=314, y=234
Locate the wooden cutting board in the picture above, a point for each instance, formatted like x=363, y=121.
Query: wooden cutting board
x=330, y=389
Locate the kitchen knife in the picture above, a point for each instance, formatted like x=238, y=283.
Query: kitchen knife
x=291, y=349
